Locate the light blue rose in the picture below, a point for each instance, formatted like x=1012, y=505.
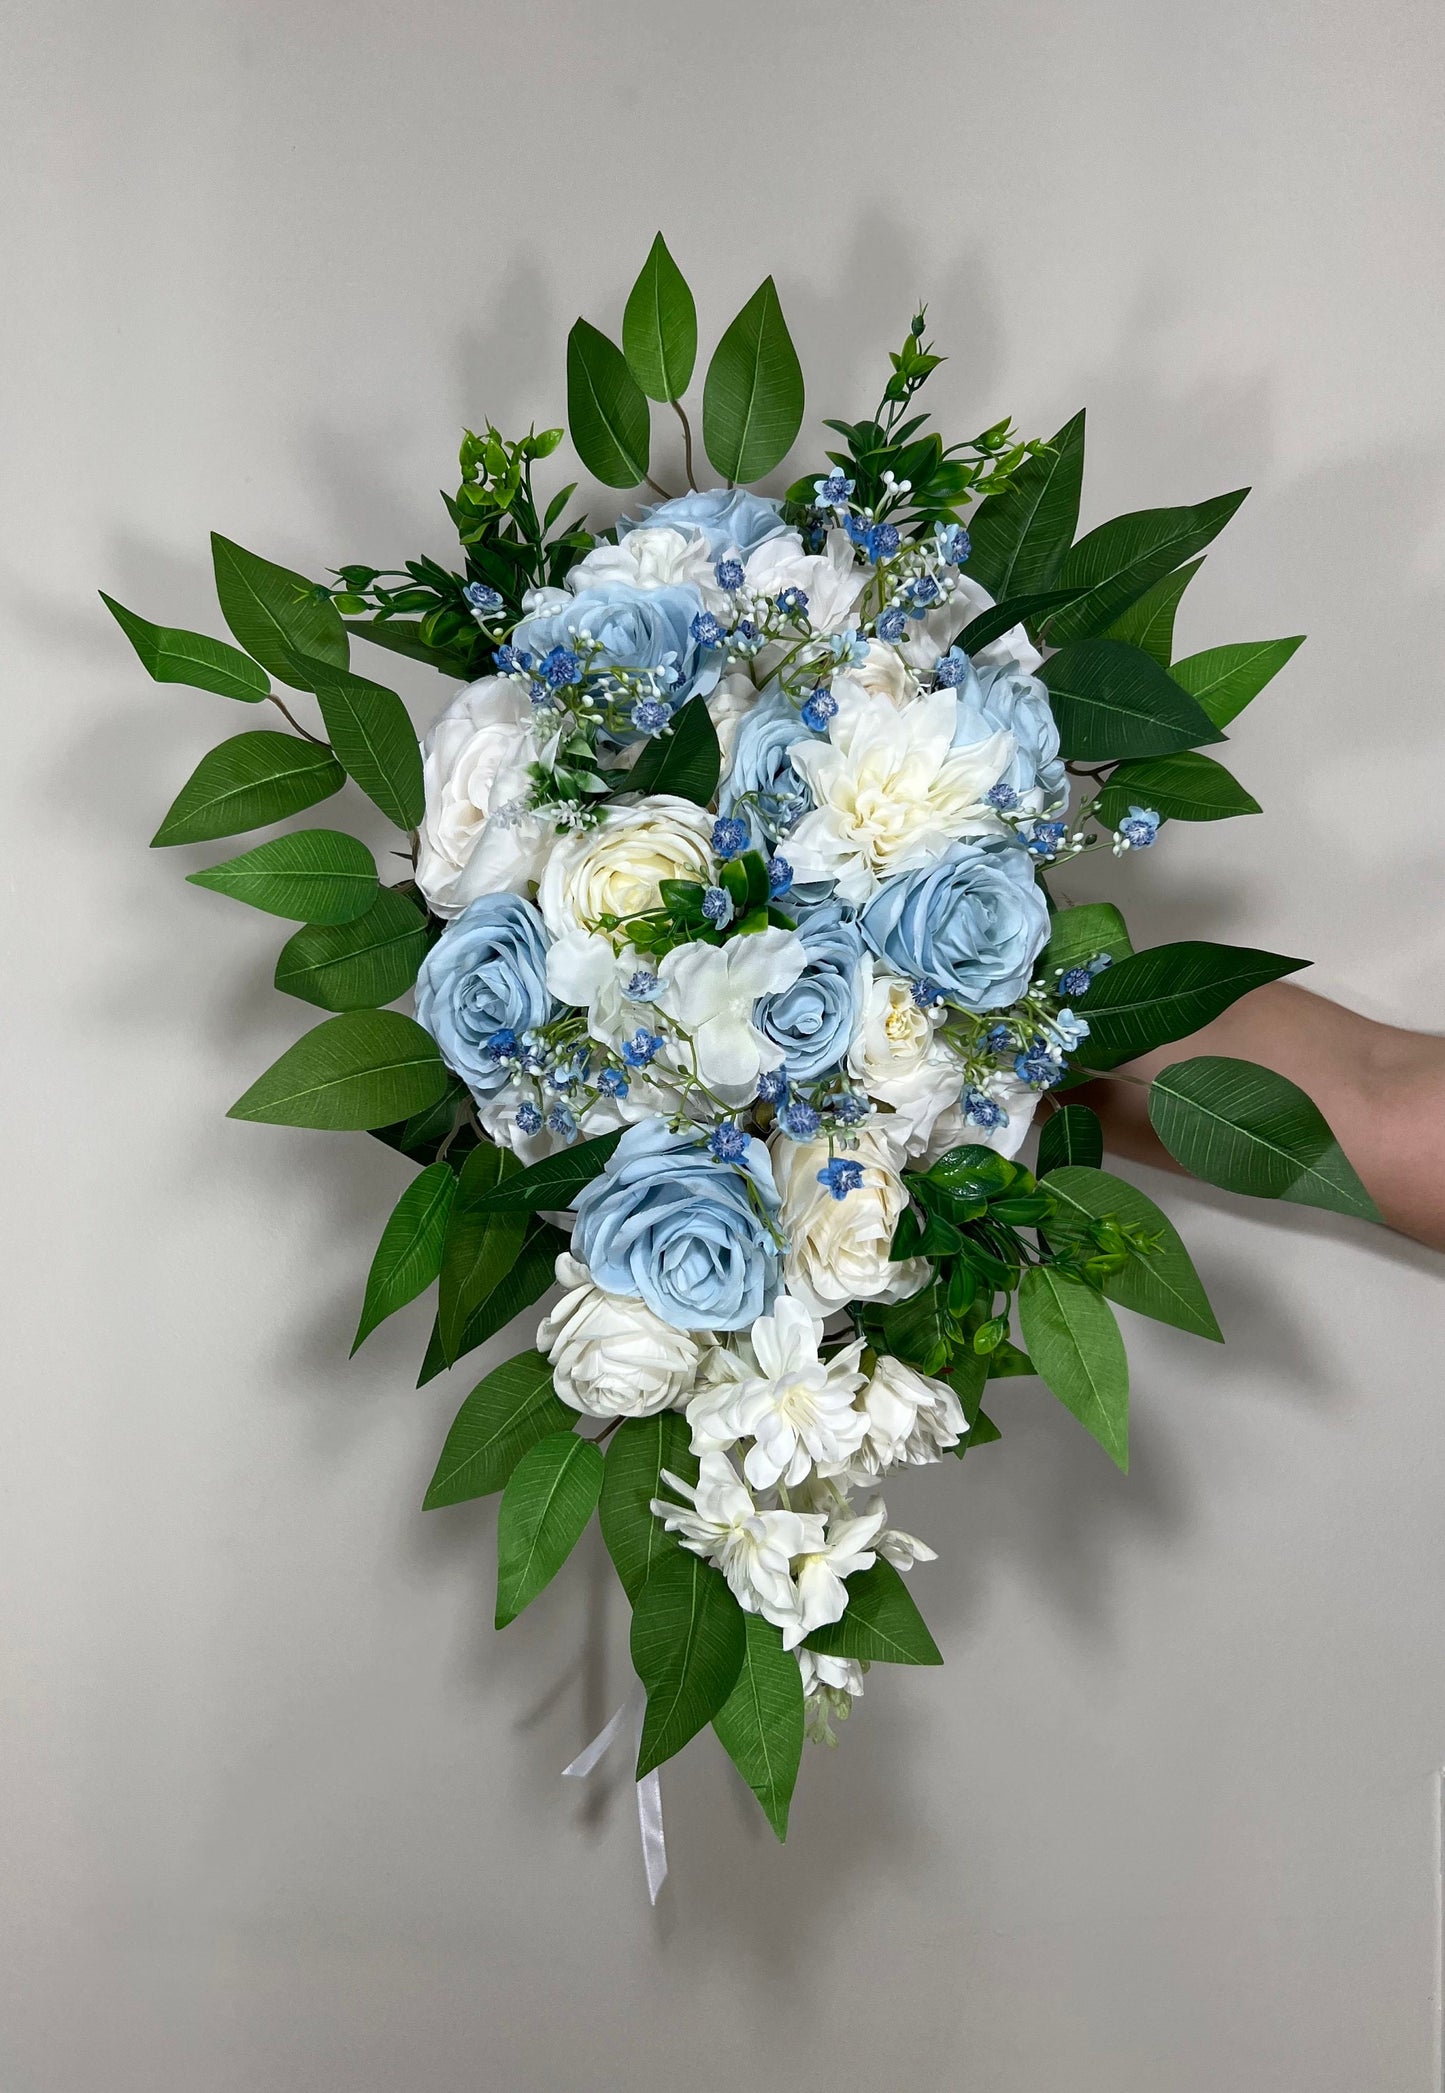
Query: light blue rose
x=636, y=629
x=814, y=1020
x=486, y=974
x=1008, y=697
x=668, y=1222
x=974, y=922
x=762, y=786
x=730, y=518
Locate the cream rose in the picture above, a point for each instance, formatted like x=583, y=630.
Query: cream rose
x=477, y=835
x=610, y=1355
x=838, y=1248
x=898, y=1060
x=615, y=868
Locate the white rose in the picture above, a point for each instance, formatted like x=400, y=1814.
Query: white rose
x=615, y=867
x=912, y=1419
x=884, y=674
x=930, y=638
x=952, y=1130
x=610, y=1355
x=728, y=705
x=477, y=836
x=832, y=579
x=838, y=1248
x=897, y=1059
x=709, y=991
x=653, y=557
x=890, y=791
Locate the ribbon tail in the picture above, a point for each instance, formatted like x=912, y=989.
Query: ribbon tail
x=649, y=1788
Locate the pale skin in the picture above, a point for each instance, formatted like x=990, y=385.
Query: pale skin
x=1381, y=1089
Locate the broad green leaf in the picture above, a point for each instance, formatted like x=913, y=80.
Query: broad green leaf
x=990, y=625
x=640, y=1449
x=1074, y=1343
x=315, y=875
x=274, y=613
x=1020, y=537
x=1112, y=700
x=1077, y=935
x=1126, y=556
x=752, y=398
x=659, y=327
x=1168, y=992
x=1149, y=623
x=409, y=1255
x=481, y=1247
x=517, y=1289
x=1186, y=787
x=1072, y=1134
x=882, y=1625
x=550, y=1496
x=1165, y=1286
x=607, y=410
x=760, y=1724
x=688, y=1640
x=1224, y=679
x=504, y=1415
x=984, y=1431
x=372, y=735
x=685, y=761
x=172, y=655
x=1005, y=1362
x=403, y=636
x=249, y=782
x=1244, y=1127
x=366, y=1068
x=357, y=965
x=550, y=1183
x=916, y=1329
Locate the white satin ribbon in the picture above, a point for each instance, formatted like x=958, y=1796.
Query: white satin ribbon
x=649, y=1789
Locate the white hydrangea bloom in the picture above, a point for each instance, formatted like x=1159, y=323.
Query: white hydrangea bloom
x=709, y=992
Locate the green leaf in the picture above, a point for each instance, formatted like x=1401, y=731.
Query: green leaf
x=366, y=1068
x=641, y=1448
x=1077, y=1351
x=607, y=410
x=172, y=655
x=1149, y=623
x=1020, y=537
x=274, y=613
x=1077, y=935
x=505, y=1415
x=688, y=1641
x=984, y=1432
x=1244, y=1127
x=752, y=399
x=403, y=636
x=685, y=761
x=1224, y=679
x=549, y=1498
x=916, y=1329
x=1112, y=700
x=249, y=782
x=990, y=625
x=1168, y=992
x=372, y=735
x=1126, y=556
x=316, y=875
x=1187, y=787
x=882, y=1625
x=516, y=1290
x=357, y=965
x=659, y=327
x=1071, y=1135
x=550, y=1183
x=409, y=1255
x=481, y=1247
x=760, y=1724
x=1164, y=1286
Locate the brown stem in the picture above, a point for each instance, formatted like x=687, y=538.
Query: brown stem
x=661, y=492
x=304, y=731
x=680, y=412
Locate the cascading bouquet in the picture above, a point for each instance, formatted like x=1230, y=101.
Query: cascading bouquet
x=741, y=969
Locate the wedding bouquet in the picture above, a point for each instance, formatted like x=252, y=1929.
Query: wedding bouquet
x=733, y=918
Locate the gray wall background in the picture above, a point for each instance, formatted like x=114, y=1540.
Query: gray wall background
x=279, y=1812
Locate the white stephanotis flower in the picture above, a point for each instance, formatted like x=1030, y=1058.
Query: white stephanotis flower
x=753, y=1549
x=478, y=835
x=912, y=1420
x=832, y=1674
x=928, y=639
x=838, y=1248
x=610, y=1355
x=615, y=866
x=797, y=1408
x=832, y=579
x=821, y=1574
x=903, y=1550
x=890, y=791
x=709, y=991
x=652, y=557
